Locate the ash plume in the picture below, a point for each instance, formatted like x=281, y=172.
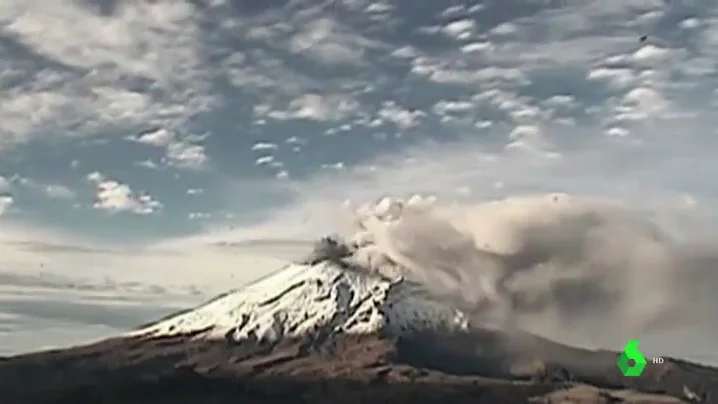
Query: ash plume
x=581, y=271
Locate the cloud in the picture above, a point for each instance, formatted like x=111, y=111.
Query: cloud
x=48, y=247
x=311, y=107
x=54, y=191
x=5, y=203
x=264, y=146
x=4, y=185
x=76, y=289
x=97, y=70
x=60, y=259
x=402, y=117
x=566, y=159
x=186, y=155
x=645, y=100
x=496, y=80
x=326, y=40
x=652, y=55
x=160, y=138
x=460, y=29
x=616, y=77
x=147, y=164
x=6, y=199
x=181, y=152
x=114, y=196
x=59, y=192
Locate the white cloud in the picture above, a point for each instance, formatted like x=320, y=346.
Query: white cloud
x=179, y=152
x=400, y=116
x=5, y=202
x=311, y=106
x=405, y=52
x=264, y=160
x=477, y=47
x=532, y=139
x=526, y=132
x=616, y=77
x=199, y=215
x=264, y=146
x=102, y=67
x=378, y=7
x=561, y=101
x=6, y=199
x=646, y=100
x=690, y=23
x=324, y=39
x=652, y=55
x=460, y=29
x=186, y=155
x=160, y=138
x=617, y=131
x=445, y=107
x=506, y=28
x=114, y=196
x=439, y=72
x=95, y=177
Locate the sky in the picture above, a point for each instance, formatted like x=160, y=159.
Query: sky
x=146, y=146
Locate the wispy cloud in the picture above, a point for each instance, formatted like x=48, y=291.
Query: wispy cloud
x=54, y=191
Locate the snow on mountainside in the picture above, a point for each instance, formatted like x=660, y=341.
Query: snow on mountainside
x=336, y=290
x=413, y=264
x=316, y=330
x=324, y=298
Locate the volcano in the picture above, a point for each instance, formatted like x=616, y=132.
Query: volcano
x=328, y=330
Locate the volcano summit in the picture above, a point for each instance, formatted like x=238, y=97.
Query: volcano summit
x=343, y=325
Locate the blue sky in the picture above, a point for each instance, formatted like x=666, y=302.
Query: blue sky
x=134, y=135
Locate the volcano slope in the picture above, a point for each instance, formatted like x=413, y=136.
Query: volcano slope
x=326, y=331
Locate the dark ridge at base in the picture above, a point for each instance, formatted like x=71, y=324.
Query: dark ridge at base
x=189, y=387
x=480, y=367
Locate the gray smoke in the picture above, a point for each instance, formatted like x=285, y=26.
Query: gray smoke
x=585, y=272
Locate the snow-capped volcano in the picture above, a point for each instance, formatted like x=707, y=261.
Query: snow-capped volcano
x=355, y=319
x=328, y=297
x=406, y=269
x=347, y=288
x=537, y=263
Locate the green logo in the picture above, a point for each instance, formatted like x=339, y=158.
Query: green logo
x=631, y=352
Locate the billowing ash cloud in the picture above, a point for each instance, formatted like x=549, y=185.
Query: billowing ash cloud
x=582, y=271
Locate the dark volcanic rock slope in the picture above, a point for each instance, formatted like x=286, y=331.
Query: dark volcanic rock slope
x=325, y=332
x=352, y=369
